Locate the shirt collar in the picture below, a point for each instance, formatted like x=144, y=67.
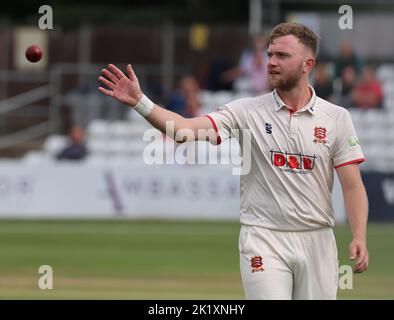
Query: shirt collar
x=310, y=106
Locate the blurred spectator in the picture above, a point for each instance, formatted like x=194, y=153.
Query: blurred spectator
x=251, y=74
x=217, y=79
x=348, y=82
x=347, y=58
x=76, y=150
x=323, y=83
x=201, y=73
x=186, y=99
x=368, y=93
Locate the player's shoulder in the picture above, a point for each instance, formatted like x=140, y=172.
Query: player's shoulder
x=331, y=110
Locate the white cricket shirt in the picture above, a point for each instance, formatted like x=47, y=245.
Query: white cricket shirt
x=293, y=155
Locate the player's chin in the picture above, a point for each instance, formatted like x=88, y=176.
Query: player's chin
x=273, y=82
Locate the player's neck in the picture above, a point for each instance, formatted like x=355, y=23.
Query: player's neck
x=297, y=97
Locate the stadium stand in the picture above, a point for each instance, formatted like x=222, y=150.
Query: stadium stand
x=122, y=140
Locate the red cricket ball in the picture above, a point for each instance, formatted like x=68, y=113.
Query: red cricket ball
x=33, y=53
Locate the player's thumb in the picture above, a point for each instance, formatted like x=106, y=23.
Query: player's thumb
x=352, y=251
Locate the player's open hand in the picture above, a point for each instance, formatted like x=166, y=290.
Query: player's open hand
x=126, y=90
x=358, y=252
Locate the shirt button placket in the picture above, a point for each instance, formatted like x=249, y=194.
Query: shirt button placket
x=294, y=123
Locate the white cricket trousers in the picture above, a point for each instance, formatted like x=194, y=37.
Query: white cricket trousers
x=284, y=265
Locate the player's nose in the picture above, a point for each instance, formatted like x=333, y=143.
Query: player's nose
x=272, y=61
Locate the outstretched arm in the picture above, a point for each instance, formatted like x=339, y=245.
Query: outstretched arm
x=127, y=90
x=356, y=203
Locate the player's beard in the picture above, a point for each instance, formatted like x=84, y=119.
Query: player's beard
x=289, y=82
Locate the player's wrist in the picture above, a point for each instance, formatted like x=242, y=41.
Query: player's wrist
x=359, y=238
x=144, y=106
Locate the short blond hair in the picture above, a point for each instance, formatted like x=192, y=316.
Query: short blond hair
x=305, y=35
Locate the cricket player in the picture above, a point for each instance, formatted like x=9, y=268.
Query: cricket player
x=287, y=247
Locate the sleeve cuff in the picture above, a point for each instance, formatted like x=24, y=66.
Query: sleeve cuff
x=357, y=161
x=218, y=139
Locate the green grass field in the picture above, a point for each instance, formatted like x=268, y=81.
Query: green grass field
x=123, y=259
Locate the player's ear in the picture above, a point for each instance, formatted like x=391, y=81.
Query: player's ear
x=309, y=63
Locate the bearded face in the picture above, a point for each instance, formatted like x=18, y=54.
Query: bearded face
x=284, y=79
x=287, y=63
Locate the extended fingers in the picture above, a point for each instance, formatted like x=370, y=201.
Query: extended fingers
x=131, y=73
x=106, y=82
x=119, y=74
x=106, y=91
x=109, y=76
